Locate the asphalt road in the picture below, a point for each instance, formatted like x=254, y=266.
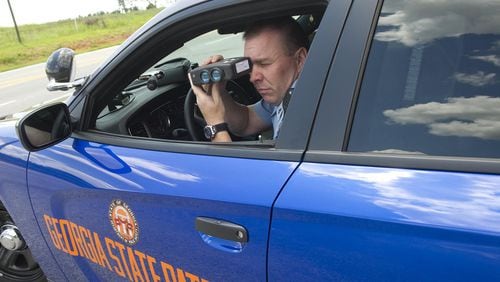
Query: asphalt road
x=24, y=88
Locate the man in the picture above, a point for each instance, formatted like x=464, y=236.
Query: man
x=278, y=50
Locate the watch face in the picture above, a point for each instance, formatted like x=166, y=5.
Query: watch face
x=208, y=131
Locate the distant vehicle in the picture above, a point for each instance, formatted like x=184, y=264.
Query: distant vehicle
x=386, y=168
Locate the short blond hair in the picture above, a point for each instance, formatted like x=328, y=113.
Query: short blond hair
x=293, y=34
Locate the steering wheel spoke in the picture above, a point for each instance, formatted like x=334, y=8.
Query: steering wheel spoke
x=198, y=116
x=192, y=115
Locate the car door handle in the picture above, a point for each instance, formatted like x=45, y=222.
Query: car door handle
x=221, y=229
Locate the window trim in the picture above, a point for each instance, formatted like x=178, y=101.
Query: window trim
x=437, y=163
x=361, y=74
x=357, y=93
x=314, y=76
x=323, y=150
x=245, y=149
x=330, y=126
x=169, y=31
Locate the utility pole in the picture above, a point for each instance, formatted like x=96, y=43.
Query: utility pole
x=15, y=24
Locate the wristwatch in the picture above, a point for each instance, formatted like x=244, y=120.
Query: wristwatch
x=211, y=130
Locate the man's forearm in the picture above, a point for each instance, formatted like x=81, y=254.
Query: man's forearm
x=222, y=137
x=236, y=115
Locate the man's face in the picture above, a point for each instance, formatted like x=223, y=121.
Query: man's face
x=274, y=69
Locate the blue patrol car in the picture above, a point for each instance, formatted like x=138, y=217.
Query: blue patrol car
x=386, y=168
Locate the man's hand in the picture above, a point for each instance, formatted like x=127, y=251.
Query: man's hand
x=209, y=100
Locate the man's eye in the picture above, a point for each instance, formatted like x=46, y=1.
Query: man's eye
x=262, y=64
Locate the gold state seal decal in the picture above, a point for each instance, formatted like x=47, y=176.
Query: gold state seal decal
x=123, y=221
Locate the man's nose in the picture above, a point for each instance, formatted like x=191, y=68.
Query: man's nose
x=255, y=75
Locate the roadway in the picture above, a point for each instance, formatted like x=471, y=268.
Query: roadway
x=24, y=88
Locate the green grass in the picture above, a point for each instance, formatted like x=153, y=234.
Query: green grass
x=89, y=33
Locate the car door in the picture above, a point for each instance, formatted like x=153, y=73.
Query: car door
x=114, y=207
x=400, y=181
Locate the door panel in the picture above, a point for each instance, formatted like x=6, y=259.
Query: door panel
x=73, y=184
x=390, y=200
x=340, y=222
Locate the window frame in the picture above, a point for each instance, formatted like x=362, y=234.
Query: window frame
x=168, y=31
x=333, y=124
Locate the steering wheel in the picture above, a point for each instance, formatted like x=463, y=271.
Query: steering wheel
x=193, y=117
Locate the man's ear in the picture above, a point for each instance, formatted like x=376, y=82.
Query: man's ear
x=301, y=55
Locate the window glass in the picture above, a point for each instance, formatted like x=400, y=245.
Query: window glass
x=153, y=104
x=208, y=44
x=154, y=99
x=431, y=84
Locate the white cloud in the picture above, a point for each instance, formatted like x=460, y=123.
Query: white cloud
x=156, y=171
x=477, y=79
x=421, y=21
x=489, y=58
x=374, y=177
x=397, y=151
x=496, y=46
x=472, y=117
x=419, y=196
x=484, y=129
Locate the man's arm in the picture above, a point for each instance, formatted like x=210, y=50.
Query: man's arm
x=242, y=120
x=217, y=106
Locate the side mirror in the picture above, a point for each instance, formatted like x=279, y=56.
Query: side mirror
x=44, y=127
x=60, y=65
x=60, y=70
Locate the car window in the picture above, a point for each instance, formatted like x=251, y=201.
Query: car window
x=205, y=45
x=157, y=103
x=197, y=49
x=152, y=105
x=431, y=83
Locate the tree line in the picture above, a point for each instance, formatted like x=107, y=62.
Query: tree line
x=131, y=5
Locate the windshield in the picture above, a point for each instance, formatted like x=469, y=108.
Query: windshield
x=210, y=43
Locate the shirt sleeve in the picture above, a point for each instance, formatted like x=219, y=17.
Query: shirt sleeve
x=264, y=111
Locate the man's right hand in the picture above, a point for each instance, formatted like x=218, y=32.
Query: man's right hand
x=209, y=97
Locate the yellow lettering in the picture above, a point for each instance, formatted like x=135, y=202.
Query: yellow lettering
x=55, y=223
x=180, y=275
x=142, y=256
x=133, y=265
x=151, y=262
x=85, y=233
x=70, y=242
x=118, y=268
x=52, y=233
x=192, y=277
x=100, y=251
x=120, y=249
x=168, y=272
x=78, y=240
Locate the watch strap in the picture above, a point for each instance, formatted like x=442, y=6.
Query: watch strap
x=212, y=130
x=220, y=127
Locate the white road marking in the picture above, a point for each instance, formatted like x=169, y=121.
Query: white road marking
x=19, y=80
x=58, y=99
x=8, y=102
